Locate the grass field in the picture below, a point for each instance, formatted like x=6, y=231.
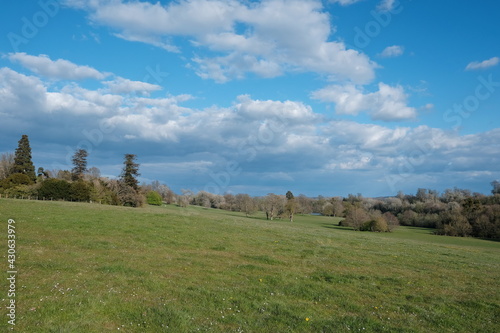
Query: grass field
x=92, y=268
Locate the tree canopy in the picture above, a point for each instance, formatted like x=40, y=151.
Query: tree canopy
x=80, y=164
x=130, y=171
x=22, y=159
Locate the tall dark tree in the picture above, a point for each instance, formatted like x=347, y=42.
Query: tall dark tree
x=22, y=159
x=496, y=187
x=130, y=171
x=80, y=163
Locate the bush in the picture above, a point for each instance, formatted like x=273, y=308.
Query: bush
x=80, y=191
x=154, y=198
x=21, y=191
x=377, y=225
x=356, y=218
x=56, y=189
x=14, y=180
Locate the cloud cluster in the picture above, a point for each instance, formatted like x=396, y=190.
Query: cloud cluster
x=387, y=104
x=239, y=37
x=59, y=69
x=287, y=139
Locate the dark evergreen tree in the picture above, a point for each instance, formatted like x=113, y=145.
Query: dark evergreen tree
x=130, y=172
x=22, y=159
x=80, y=163
x=496, y=187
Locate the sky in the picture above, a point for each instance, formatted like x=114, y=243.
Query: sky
x=244, y=96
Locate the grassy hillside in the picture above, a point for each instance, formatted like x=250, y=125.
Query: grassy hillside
x=92, y=268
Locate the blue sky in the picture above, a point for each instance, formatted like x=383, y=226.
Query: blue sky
x=317, y=97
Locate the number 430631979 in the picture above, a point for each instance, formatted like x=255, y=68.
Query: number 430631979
x=11, y=229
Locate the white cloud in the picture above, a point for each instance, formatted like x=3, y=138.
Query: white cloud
x=283, y=139
x=126, y=86
x=392, y=51
x=387, y=104
x=386, y=5
x=345, y=2
x=59, y=69
x=287, y=111
x=240, y=37
x=18, y=91
x=483, y=64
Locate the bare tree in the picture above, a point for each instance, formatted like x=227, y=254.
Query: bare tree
x=244, y=203
x=273, y=205
x=356, y=217
x=6, y=165
x=94, y=173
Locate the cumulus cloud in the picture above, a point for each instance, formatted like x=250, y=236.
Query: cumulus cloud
x=19, y=91
x=283, y=139
x=59, y=69
x=392, y=51
x=475, y=65
x=387, y=104
x=262, y=38
x=126, y=86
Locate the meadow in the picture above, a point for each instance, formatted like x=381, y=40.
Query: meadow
x=92, y=268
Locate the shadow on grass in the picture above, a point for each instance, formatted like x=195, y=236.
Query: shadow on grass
x=336, y=227
x=242, y=215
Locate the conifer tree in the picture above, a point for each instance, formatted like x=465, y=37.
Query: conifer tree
x=80, y=163
x=22, y=159
x=130, y=171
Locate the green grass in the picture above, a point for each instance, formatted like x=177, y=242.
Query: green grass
x=92, y=268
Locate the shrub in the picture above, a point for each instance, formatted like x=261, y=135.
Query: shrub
x=154, y=198
x=356, y=218
x=15, y=180
x=80, y=191
x=56, y=189
x=22, y=191
x=377, y=225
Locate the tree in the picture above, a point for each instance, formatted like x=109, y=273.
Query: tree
x=42, y=174
x=304, y=204
x=22, y=159
x=64, y=175
x=166, y=193
x=6, y=164
x=94, y=173
x=130, y=171
x=327, y=209
x=273, y=205
x=496, y=187
x=128, y=196
x=392, y=221
x=355, y=218
x=244, y=203
x=80, y=163
x=291, y=205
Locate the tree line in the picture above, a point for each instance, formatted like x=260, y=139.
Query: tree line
x=18, y=179
x=455, y=212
